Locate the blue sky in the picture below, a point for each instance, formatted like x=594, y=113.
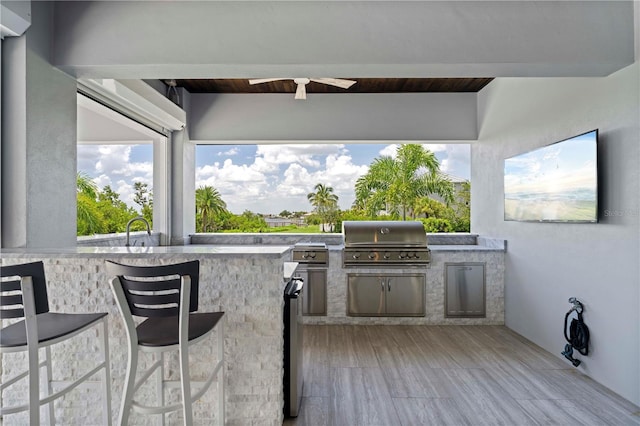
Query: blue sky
x=260, y=178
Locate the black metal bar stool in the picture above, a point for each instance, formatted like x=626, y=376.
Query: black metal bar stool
x=167, y=297
x=23, y=297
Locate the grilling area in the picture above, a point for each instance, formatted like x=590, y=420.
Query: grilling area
x=391, y=273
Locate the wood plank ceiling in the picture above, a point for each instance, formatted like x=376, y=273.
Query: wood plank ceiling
x=363, y=85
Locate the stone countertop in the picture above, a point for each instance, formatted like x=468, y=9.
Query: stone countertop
x=239, y=250
x=289, y=270
x=200, y=250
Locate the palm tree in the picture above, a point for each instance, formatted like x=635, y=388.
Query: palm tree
x=89, y=217
x=209, y=203
x=394, y=184
x=324, y=201
x=85, y=185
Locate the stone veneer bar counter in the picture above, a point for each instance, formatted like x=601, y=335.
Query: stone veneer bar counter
x=244, y=281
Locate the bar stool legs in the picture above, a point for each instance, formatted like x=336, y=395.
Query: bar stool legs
x=23, y=298
x=166, y=296
x=106, y=374
x=220, y=366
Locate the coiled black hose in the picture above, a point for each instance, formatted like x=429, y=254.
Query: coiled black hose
x=578, y=336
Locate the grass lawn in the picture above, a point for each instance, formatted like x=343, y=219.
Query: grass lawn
x=309, y=229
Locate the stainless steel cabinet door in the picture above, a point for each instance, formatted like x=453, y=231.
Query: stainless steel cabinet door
x=365, y=295
x=465, y=290
x=314, y=292
x=405, y=295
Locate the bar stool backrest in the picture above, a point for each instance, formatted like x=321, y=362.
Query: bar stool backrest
x=12, y=305
x=154, y=291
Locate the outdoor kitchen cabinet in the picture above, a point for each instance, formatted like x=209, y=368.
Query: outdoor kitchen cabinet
x=465, y=290
x=386, y=294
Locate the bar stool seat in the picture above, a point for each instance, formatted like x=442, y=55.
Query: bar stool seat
x=51, y=327
x=164, y=331
x=166, y=296
x=23, y=297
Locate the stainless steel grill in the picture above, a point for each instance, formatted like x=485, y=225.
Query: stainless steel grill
x=385, y=243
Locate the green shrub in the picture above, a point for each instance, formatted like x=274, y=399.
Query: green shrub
x=432, y=224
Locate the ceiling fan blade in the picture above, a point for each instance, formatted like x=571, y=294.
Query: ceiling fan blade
x=301, y=92
x=266, y=80
x=338, y=82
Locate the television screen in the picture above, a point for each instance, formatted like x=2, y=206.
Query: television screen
x=556, y=183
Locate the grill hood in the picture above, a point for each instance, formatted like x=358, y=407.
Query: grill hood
x=384, y=234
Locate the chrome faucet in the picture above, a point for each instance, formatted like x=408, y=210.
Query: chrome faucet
x=129, y=226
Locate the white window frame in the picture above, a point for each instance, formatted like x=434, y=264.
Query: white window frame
x=161, y=157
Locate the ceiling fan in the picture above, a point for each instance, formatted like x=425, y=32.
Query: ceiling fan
x=301, y=91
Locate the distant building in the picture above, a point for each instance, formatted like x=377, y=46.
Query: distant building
x=275, y=222
x=457, y=182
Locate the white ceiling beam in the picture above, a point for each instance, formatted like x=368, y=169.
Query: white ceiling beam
x=176, y=39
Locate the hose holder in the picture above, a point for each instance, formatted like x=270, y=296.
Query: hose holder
x=577, y=305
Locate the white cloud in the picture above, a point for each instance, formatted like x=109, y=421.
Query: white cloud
x=87, y=158
x=304, y=154
x=102, y=181
x=297, y=182
x=113, y=159
x=436, y=147
x=263, y=166
x=231, y=152
x=339, y=172
x=389, y=150
x=457, y=161
x=125, y=189
x=239, y=185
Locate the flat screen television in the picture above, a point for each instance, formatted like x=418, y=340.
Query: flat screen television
x=555, y=183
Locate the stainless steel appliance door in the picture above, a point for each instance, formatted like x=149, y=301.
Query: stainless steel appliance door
x=365, y=294
x=314, y=292
x=386, y=295
x=405, y=295
x=465, y=290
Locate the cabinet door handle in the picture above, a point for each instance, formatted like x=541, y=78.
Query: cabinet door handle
x=382, y=284
x=389, y=285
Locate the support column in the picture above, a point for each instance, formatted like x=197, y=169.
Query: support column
x=38, y=141
x=183, y=178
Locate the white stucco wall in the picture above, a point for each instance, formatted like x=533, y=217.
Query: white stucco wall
x=548, y=263
x=39, y=141
x=360, y=116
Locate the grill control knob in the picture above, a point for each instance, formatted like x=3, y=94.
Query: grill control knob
x=356, y=256
x=372, y=255
x=387, y=255
x=411, y=255
x=403, y=255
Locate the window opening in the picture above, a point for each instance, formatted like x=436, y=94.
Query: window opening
x=313, y=187
x=117, y=166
